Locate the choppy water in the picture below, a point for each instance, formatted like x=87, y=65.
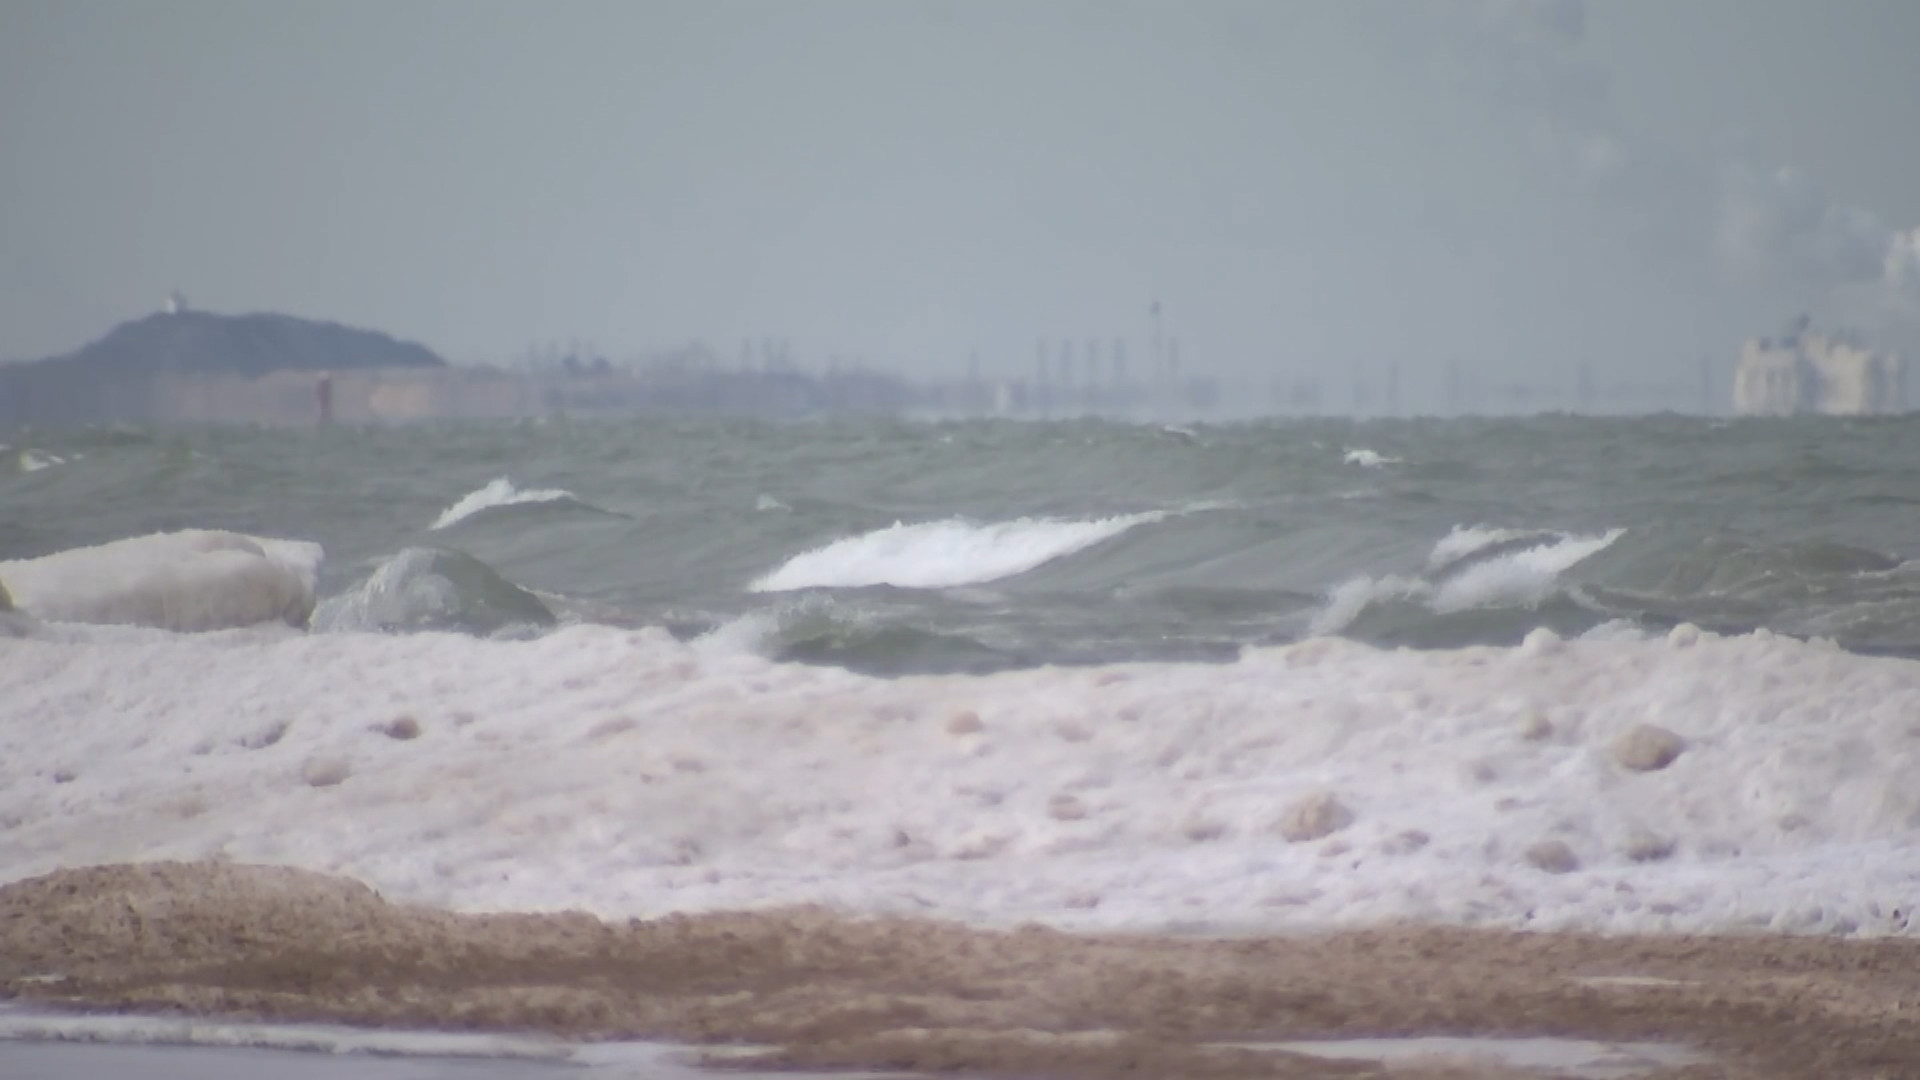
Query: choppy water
x=849, y=663
x=894, y=547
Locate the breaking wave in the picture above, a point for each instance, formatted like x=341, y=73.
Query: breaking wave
x=944, y=554
x=1469, y=569
x=1368, y=459
x=499, y=492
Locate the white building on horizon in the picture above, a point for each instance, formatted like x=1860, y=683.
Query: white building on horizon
x=1825, y=374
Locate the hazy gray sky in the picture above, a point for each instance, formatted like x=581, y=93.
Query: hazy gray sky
x=1306, y=185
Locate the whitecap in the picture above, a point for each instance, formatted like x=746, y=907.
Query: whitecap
x=497, y=492
x=1465, y=570
x=943, y=554
x=1349, y=598
x=1468, y=540
x=34, y=460
x=1522, y=578
x=1370, y=459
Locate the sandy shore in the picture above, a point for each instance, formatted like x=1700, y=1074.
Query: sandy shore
x=82, y=1061
x=829, y=990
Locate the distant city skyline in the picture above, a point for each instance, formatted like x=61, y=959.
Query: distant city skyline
x=1521, y=189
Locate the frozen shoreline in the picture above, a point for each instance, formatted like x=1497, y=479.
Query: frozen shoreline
x=1694, y=784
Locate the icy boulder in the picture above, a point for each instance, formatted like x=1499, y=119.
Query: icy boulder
x=424, y=588
x=12, y=623
x=196, y=579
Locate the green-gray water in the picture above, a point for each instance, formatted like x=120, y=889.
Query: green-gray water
x=1024, y=543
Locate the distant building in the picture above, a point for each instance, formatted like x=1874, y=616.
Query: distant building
x=1826, y=374
x=175, y=303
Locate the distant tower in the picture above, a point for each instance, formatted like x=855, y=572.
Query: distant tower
x=176, y=303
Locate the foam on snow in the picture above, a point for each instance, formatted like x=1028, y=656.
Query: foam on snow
x=1326, y=783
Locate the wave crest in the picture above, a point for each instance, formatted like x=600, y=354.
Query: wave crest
x=434, y=589
x=1368, y=459
x=497, y=493
x=1470, y=568
x=944, y=554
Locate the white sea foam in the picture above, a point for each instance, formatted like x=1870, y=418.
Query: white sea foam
x=1349, y=598
x=496, y=493
x=1519, y=577
x=743, y=633
x=1522, y=577
x=196, y=579
x=943, y=554
x=628, y=774
x=1466, y=541
x=32, y=460
x=1370, y=459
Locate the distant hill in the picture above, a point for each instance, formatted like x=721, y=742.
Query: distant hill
x=112, y=378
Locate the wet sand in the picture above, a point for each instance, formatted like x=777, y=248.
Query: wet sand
x=827, y=990
x=80, y=1061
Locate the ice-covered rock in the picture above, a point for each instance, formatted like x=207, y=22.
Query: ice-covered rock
x=196, y=579
x=426, y=588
